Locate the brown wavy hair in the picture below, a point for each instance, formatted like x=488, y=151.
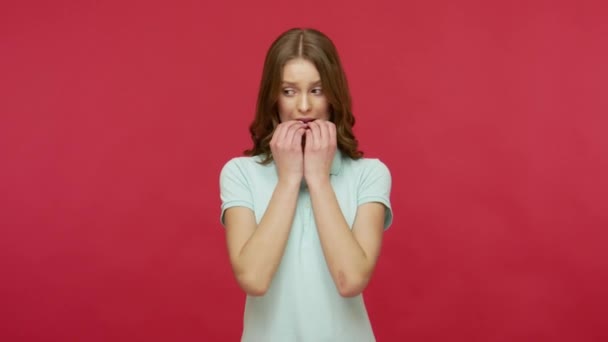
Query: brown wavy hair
x=316, y=47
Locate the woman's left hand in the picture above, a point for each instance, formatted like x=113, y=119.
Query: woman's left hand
x=319, y=150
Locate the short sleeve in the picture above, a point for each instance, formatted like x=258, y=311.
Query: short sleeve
x=234, y=188
x=375, y=186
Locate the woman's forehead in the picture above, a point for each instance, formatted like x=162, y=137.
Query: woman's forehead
x=300, y=71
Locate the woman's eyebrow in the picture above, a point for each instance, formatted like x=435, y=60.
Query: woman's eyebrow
x=288, y=83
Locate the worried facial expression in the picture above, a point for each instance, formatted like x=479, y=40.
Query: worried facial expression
x=302, y=96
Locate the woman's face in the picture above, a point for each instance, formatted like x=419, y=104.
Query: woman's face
x=302, y=96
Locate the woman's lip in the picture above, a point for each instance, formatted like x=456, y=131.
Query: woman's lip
x=306, y=120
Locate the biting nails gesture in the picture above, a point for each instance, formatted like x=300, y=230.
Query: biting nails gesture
x=319, y=150
x=286, y=148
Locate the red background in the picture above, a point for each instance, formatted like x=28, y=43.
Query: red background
x=117, y=117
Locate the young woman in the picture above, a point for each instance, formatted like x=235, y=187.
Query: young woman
x=304, y=212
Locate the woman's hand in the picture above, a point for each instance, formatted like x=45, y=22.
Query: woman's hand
x=286, y=147
x=319, y=151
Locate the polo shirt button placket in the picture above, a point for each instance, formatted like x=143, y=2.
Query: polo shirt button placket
x=307, y=213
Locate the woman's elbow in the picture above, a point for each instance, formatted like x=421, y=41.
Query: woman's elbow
x=253, y=286
x=351, y=286
x=349, y=292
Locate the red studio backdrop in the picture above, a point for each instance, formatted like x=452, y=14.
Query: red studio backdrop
x=116, y=118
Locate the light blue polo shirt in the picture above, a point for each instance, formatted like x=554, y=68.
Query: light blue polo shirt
x=303, y=303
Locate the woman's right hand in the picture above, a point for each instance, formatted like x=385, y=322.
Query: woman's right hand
x=286, y=147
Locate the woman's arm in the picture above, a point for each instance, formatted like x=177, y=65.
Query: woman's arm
x=351, y=255
x=255, y=252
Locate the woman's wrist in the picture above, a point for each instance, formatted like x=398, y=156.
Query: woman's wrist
x=318, y=181
x=290, y=181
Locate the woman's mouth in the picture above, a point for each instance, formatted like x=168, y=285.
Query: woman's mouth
x=306, y=120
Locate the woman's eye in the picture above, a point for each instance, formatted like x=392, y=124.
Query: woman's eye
x=288, y=92
x=317, y=91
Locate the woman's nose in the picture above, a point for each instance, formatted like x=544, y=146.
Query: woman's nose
x=304, y=104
